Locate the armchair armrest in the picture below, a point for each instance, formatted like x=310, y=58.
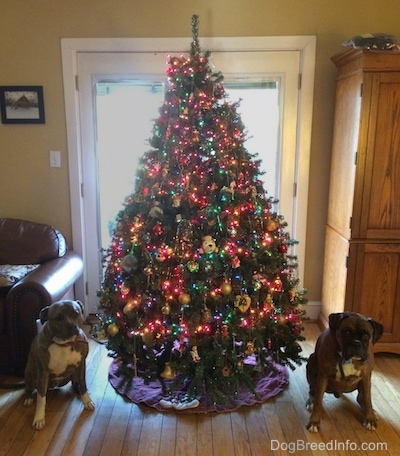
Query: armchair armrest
x=49, y=283
x=51, y=280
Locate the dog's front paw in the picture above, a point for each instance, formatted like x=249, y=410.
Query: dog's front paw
x=313, y=426
x=88, y=404
x=38, y=422
x=370, y=422
x=28, y=401
x=314, y=422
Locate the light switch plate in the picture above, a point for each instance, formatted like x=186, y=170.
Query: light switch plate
x=55, y=159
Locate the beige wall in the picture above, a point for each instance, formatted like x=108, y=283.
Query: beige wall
x=30, y=33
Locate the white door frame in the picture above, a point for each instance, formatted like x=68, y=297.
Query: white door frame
x=70, y=47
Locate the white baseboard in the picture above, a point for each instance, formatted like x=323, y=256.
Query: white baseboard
x=313, y=309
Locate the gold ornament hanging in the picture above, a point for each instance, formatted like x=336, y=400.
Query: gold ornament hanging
x=166, y=309
x=242, y=303
x=168, y=372
x=184, y=299
x=226, y=288
x=207, y=317
x=249, y=348
x=272, y=225
x=112, y=329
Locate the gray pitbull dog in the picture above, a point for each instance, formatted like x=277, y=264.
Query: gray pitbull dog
x=57, y=356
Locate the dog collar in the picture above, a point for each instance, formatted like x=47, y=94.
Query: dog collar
x=69, y=342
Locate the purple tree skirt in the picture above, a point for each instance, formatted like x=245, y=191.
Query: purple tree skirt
x=152, y=395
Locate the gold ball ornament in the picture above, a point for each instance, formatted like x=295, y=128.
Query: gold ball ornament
x=184, y=299
x=112, y=329
x=226, y=288
x=272, y=225
x=281, y=320
x=128, y=307
x=166, y=309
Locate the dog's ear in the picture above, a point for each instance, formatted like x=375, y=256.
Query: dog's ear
x=378, y=330
x=335, y=319
x=43, y=315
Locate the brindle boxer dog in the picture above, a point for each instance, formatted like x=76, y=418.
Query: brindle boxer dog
x=57, y=356
x=342, y=362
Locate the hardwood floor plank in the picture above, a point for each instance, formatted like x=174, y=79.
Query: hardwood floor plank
x=22, y=440
x=204, y=438
x=169, y=434
x=276, y=438
x=133, y=432
x=258, y=439
x=186, y=436
x=99, y=422
x=12, y=424
x=241, y=435
x=150, y=437
x=117, y=427
x=222, y=435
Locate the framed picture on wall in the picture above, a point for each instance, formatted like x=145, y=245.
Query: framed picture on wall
x=22, y=105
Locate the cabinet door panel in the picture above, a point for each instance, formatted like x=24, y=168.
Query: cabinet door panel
x=381, y=203
x=373, y=287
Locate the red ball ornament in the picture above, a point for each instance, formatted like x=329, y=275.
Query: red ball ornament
x=158, y=229
x=277, y=285
x=283, y=248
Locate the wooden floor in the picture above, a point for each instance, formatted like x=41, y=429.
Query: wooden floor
x=119, y=427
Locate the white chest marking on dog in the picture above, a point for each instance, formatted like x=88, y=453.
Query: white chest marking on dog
x=62, y=357
x=348, y=369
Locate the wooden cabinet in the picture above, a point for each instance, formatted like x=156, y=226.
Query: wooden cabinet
x=362, y=244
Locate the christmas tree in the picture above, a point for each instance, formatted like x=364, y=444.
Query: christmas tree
x=198, y=277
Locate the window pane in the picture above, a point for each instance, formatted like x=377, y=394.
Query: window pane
x=125, y=117
x=259, y=110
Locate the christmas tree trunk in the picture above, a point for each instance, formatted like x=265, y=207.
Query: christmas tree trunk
x=200, y=291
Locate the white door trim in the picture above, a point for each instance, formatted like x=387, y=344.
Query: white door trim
x=70, y=47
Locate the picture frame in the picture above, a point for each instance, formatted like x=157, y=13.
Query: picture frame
x=22, y=105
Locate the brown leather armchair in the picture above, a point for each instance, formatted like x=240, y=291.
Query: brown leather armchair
x=27, y=243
